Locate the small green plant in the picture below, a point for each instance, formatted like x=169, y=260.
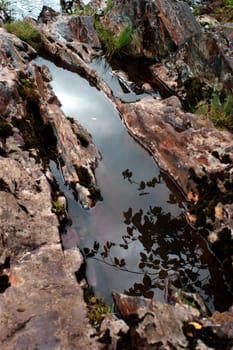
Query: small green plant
x=219, y=108
x=83, y=10
x=221, y=111
x=58, y=208
x=224, y=11
x=97, y=311
x=25, y=32
x=111, y=43
x=124, y=38
x=197, y=10
x=109, y=5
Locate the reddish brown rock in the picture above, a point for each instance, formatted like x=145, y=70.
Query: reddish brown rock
x=41, y=303
x=159, y=26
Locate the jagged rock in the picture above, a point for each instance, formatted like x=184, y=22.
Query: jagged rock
x=75, y=146
x=154, y=325
x=179, y=141
x=167, y=32
x=184, y=144
x=205, y=57
x=41, y=303
x=44, y=305
x=77, y=31
x=159, y=26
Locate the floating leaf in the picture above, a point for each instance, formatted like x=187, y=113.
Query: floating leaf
x=147, y=280
x=122, y=262
x=96, y=246
x=142, y=186
x=196, y=325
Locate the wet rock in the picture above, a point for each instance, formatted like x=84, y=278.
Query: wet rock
x=74, y=155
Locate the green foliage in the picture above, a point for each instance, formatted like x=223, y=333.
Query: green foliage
x=221, y=111
x=124, y=38
x=5, y=10
x=224, y=11
x=4, y=5
x=228, y=3
x=98, y=311
x=197, y=10
x=109, y=5
x=114, y=44
x=219, y=108
x=25, y=32
x=83, y=10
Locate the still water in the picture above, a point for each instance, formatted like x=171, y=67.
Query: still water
x=137, y=235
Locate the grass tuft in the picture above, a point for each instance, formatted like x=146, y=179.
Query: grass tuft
x=25, y=32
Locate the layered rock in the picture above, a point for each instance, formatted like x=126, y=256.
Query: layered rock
x=185, y=145
x=167, y=32
x=159, y=26
x=41, y=303
x=149, y=324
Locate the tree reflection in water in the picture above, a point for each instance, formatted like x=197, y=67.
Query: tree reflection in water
x=163, y=244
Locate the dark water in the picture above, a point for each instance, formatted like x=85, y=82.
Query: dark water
x=138, y=234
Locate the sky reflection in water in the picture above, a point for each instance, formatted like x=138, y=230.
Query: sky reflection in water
x=137, y=234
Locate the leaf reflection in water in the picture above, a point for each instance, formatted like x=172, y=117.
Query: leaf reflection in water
x=165, y=246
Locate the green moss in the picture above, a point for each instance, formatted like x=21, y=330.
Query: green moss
x=25, y=32
x=221, y=110
x=83, y=140
x=31, y=125
x=97, y=311
x=58, y=208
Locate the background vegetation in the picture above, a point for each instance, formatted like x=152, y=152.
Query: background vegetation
x=25, y=32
